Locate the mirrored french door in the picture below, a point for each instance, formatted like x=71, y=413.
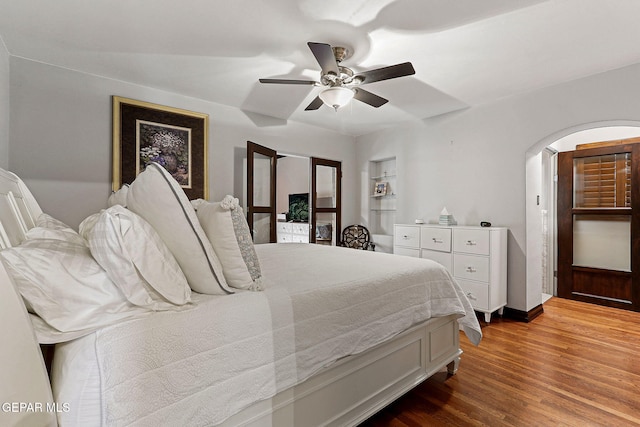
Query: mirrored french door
x=326, y=190
x=261, y=192
x=324, y=204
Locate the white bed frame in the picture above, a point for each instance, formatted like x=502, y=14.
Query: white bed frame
x=343, y=394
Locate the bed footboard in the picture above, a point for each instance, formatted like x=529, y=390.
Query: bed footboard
x=356, y=387
x=25, y=394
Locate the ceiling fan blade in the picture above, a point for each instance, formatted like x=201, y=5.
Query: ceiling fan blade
x=325, y=57
x=369, y=98
x=385, y=73
x=289, y=82
x=315, y=104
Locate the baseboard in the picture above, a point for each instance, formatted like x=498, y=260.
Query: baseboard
x=523, y=316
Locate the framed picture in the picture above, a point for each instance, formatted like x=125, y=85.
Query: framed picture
x=380, y=189
x=174, y=138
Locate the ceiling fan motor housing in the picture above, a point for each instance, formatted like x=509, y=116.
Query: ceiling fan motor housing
x=345, y=77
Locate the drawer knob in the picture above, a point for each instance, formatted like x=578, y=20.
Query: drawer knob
x=437, y=240
x=405, y=237
x=471, y=296
x=470, y=243
x=471, y=269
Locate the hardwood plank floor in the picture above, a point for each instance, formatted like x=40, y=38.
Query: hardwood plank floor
x=577, y=364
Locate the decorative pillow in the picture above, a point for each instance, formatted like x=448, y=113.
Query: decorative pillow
x=229, y=234
x=119, y=197
x=158, y=198
x=135, y=258
x=62, y=283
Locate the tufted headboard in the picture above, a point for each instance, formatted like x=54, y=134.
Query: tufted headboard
x=24, y=383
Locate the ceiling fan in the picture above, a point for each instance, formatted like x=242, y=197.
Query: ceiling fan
x=341, y=83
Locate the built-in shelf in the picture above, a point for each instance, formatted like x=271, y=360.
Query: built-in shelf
x=382, y=177
x=382, y=207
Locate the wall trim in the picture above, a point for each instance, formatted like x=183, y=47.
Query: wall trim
x=523, y=316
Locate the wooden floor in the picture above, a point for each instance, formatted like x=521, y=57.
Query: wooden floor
x=577, y=364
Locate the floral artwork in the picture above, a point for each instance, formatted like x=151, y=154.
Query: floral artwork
x=173, y=137
x=169, y=146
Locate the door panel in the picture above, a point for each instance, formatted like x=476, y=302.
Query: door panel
x=606, y=287
x=261, y=192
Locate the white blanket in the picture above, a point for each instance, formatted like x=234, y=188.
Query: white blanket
x=200, y=366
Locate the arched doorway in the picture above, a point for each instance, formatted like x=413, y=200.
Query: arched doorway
x=540, y=197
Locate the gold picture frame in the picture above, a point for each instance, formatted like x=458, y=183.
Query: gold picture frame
x=173, y=137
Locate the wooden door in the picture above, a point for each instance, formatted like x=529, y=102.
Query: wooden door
x=261, y=192
x=326, y=195
x=598, y=225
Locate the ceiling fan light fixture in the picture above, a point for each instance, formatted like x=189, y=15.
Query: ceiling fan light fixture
x=336, y=97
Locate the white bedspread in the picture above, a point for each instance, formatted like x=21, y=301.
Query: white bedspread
x=200, y=366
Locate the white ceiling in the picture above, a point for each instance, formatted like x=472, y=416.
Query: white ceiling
x=465, y=52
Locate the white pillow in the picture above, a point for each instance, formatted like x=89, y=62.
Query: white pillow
x=47, y=227
x=158, y=198
x=119, y=197
x=62, y=283
x=136, y=259
x=229, y=234
x=47, y=221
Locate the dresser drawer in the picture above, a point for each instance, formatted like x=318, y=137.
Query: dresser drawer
x=407, y=236
x=436, y=239
x=471, y=241
x=478, y=294
x=407, y=252
x=283, y=227
x=471, y=267
x=442, y=258
x=284, y=238
x=300, y=228
x=299, y=238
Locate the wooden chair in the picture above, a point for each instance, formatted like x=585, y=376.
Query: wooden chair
x=357, y=237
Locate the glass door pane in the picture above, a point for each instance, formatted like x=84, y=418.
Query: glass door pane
x=602, y=242
x=261, y=228
x=326, y=229
x=261, y=180
x=326, y=186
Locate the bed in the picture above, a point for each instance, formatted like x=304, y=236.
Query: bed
x=324, y=336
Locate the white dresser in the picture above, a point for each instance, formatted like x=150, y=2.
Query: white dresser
x=292, y=232
x=475, y=256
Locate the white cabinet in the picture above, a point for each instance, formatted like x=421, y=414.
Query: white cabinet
x=475, y=256
x=292, y=232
